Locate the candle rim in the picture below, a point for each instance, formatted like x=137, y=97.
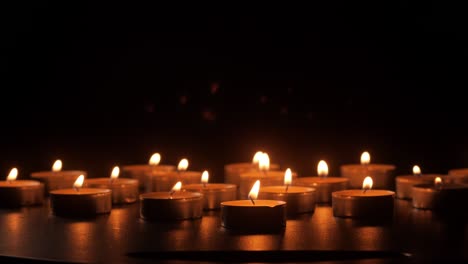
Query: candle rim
x=308, y=190
x=50, y=173
x=321, y=180
x=199, y=186
x=430, y=187
x=20, y=184
x=369, y=166
x=361, y=194
x=248, y=203
x=82, y=191
x=167, y=196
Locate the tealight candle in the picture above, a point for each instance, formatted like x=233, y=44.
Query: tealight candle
x=233, y=171
x=459, y=175
x=141, y=172
x=57, y=178
x=365, y=203
x=17, y=193
x=382, y=173
x=213, y=193
x=253, y=214
x=323, y=184
x=163, y=181
x=298, y=199
x=173, y=205
x=404, y=183
x=123, y=190
x=80, y=202
x=440, y=196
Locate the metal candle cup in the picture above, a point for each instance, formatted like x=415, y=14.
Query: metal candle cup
x=164, y=206
x=459, y=175
x=404, y=184
x=383, y=174
x=243, y=215
x=55, y=180
x=124, y=191
x=324, y=186
x=298, y=199
x=360, y=204
x=450, y=198
x=142, y=171
x=19, y=193
x=213, y=193
x=268, y=178
x=233, y=171
x=163, y=181
x=83, y=202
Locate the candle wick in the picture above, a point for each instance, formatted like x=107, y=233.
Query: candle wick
x=252, y=200
x=364, y=190
x=77, y=189
x=287, y=187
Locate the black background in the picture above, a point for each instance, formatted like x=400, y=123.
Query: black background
x=103, y=84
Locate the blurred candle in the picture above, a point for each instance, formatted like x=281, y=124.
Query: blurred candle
x=57, y=178
x=17, y=193
x=404, y=183
x=163, y=182
x=142, y=172
x=123, y=190
x=383, y=174
x=213, y=193
x=323, y=184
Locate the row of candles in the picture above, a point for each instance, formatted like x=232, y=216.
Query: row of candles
x=169, y=193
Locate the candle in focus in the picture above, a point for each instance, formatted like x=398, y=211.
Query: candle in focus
x=404, y=183
x=57, y=178
x=17, y=193
x=123, y=190
x=141, y=172
x=323, y=184
x=253, y=214
x=172, y=205
x=298, y=199
x=80, y=202
x=383, y=174
x=365, y=203
x=213, y=193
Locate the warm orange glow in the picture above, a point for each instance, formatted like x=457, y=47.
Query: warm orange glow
x=367, y=183
x=204, y=177
x=253, y=194
x=257, y=157
x=264, y=162
x=79, y=182
x=365, y=158
x=287, y=177
x=438, y=182
x=115, y=172
x=12, y=175
x=416, y=170
x=155, y=159
x=177, y=187
x=57, y=165
x=322, y=169
x=183, y=165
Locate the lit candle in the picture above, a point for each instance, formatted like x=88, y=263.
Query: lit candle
x=123, y=190
x=57, y=178
x=404, y=183
x=298, y=199
x=233, y=171
x=440, y=196
x=172, y=205
x=213, y=193
x=383, y=174
x=365, y=203
x=253, y=214
x=162, y=182
x=141, y=172
x=263, y=173
x=323, y=184
x=80, y=202
x=17, y=193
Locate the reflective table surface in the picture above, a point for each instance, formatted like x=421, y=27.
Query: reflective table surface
x=412, y=236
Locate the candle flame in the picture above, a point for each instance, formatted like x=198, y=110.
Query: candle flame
x=253, y=194
x=57, y=165
x=416, y=170
x=115, y=172
x=264, y=162
x=438, y=182
x=365, y=158
x=183, y=165
x=79, y=182
x=12, y=175
x=322, y=169
x=155, y=159
x=257, y=157
x=204, y=177
x=176, y=187
x=287, y=177
x=367, y=183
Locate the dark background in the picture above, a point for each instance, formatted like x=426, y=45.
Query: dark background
x=103, y=84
